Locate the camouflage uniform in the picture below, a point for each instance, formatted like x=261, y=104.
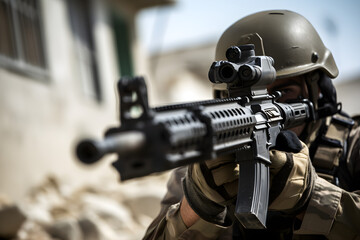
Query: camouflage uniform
x=332, y=212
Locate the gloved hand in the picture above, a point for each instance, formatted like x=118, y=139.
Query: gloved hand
x=292, y=175
x=212, y=185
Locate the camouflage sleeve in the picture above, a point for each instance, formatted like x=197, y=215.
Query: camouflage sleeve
x=173, y=195
x=332, y=212
x=169, y=224
x=172, y=227
x=353, y=160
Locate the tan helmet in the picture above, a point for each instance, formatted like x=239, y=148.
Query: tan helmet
x=286, y=36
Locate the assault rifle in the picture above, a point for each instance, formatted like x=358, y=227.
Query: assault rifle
x=247, y=123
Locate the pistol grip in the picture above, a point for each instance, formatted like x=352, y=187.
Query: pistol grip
x=253, y=194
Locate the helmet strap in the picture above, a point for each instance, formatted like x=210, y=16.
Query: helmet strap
x=322, y=94
x=311, y=80
x=327, y=102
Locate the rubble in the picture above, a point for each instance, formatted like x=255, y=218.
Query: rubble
x=11, y=218
x=111, y=211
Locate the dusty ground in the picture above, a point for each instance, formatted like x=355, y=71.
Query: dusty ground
x=108, y=211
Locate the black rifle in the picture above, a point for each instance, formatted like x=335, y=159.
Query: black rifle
x=247, y=123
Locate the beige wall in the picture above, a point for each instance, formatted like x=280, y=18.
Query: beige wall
x=181, y=75
x=348, y=95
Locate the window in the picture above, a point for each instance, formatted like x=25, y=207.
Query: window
x=122, y=40
x=21, y=40
x=82, y=28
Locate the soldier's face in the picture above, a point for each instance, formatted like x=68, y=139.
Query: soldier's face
x=290, y=88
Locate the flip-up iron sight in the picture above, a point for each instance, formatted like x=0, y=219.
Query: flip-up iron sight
x=243, y=69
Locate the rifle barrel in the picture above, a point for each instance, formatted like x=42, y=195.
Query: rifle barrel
x=90, y=151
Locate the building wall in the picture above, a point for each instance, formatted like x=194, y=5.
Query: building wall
x=348, y=95
x=181, y=75
x=41, y=119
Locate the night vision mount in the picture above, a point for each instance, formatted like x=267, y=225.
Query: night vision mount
x=244, y=73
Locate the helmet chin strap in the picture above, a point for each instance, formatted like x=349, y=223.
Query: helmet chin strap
x=322, y=94
x=311, y=80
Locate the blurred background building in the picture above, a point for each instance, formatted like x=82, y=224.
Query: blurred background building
x=59, y=63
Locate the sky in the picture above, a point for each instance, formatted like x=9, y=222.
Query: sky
x=193, y=22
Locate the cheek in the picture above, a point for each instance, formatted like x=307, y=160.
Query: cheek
x=284, y=99
x=293, y=95
x=299, y=129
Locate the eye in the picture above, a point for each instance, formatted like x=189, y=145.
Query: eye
x=285, y=91
x=288, y=92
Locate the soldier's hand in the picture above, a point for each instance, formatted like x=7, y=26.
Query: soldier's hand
x=291, y=174
x=212, y=185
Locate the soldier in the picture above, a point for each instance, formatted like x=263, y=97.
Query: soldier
x=314, y=182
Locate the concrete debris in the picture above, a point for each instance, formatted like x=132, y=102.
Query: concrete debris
x=65, y=229
x=104, y=212
x=31, y=231
x=11, y=220
x=89, y=229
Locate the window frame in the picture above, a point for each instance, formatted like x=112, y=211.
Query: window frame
x=82, y=31
x=19, y=64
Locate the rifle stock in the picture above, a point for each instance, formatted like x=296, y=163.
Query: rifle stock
x=152, y=140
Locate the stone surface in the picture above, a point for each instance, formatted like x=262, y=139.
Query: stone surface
x=111, y=210
x=11, y=220
x=66, y=229
x=32, y=231
x=89, y=229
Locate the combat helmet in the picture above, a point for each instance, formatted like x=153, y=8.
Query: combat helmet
x=287, y=37
x=284, y=35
